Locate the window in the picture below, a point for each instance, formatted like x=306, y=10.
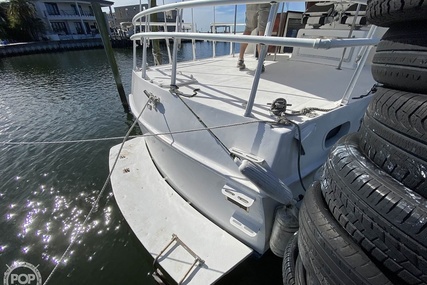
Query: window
x=79, y=11
x=59, y=27
x=87, y=27
x=76, y=12
x=79, y=27
x=52, y=8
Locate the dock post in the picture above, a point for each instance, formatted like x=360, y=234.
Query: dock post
x=109, y=51
x=156, y=43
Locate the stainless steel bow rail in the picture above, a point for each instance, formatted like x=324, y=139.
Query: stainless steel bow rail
x=320, y=43
x=157, y=274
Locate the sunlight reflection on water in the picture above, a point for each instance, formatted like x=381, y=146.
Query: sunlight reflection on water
x=47, y=190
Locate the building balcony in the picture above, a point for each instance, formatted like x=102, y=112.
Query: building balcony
x=64, y=37
x=70, y=14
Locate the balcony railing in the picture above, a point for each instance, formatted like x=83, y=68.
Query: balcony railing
x=71, y=13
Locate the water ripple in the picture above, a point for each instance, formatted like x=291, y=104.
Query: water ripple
x=47, y=191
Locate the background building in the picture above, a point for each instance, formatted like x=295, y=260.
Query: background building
x=68, y=19
x=123, y=15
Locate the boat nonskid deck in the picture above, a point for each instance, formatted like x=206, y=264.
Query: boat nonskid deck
x=219, y=84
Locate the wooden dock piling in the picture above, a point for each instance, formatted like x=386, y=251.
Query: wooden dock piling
x=109, y=51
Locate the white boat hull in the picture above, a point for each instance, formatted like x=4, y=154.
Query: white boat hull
x=202, y=119
x=198, y=165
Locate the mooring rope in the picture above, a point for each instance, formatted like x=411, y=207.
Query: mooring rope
x=95, y=203
x=136, y=136
x=125, y=138
x=64, y=142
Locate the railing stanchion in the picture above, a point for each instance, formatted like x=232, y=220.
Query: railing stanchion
x=369, y=35
x=234, y=30
x=214, y=32
x=261, y=57
x=357, y=72
x=165, y=29
x=175, y=49
x=144, y=57
x=193, y=41
x=349, y=34
x=134, y=54
x=279, y=32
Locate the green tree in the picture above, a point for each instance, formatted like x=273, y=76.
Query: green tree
x=3, y=21
x=22, y=18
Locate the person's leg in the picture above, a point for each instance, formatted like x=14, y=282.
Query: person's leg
x=243, y=46
x=251, y=22
x=263, y=12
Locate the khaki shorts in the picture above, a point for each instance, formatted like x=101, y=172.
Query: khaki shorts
x=257, y=17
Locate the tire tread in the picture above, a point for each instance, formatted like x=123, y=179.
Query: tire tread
x=386, y=13
x=386, y=219
x=326, y=246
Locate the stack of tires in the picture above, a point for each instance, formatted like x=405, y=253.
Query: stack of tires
x=365, y=221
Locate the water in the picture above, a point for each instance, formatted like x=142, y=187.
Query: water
x=46, y=191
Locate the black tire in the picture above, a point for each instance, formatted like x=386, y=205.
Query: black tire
x=403, y=112
x=289, y=259
x=386, y=219
x=395, y=161
x=412, y=33
x=385, y=13
x=303, y=275
x=400, y=61
x=327, y=247
x=300, y=273
x=393, y=135
x=312, y=277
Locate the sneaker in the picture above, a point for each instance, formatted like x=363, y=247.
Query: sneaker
x=241, y=64
x=263, y=68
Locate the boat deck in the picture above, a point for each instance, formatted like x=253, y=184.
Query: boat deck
x=166, y=215
x=223, y=86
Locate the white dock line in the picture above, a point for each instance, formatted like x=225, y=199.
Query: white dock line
x=136, y=136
